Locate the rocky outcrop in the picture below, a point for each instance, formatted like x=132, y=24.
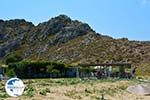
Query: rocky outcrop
x=61, y=29
x=12, y=34
x=66, y=40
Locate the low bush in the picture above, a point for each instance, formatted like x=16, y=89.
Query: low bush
x=29, y=90
x=43, y=92
x=143, y=70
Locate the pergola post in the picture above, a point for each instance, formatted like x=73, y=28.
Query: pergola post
x=77, y=72
x=121, y=71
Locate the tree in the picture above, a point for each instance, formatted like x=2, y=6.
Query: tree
x=13, y=57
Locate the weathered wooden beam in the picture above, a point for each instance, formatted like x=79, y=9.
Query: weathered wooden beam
x=107, y=64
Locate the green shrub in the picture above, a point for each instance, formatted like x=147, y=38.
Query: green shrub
x=43, y=92
x=4, y=95
x=10, y=72
x=47, y=90
x=13, y=57
x=143, y=70
x=88, y=91
x=29, y=90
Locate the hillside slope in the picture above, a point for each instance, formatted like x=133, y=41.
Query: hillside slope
x=69, y=41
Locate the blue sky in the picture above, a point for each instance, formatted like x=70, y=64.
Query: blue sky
x=116, y=18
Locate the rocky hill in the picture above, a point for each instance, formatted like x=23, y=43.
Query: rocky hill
x=69, y=41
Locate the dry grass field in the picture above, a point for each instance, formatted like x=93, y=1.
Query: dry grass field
x=75, y=89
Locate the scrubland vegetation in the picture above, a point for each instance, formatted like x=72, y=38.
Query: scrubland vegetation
x=76, y=89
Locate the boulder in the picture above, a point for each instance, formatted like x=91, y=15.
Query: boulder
x=139, y=89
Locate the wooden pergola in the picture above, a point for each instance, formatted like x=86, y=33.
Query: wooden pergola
x=107, y=64
x=121, y=66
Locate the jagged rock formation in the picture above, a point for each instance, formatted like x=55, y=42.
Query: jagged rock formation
x=66, y=40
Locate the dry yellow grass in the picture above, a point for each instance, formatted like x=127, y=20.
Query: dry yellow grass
x=75, y=89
